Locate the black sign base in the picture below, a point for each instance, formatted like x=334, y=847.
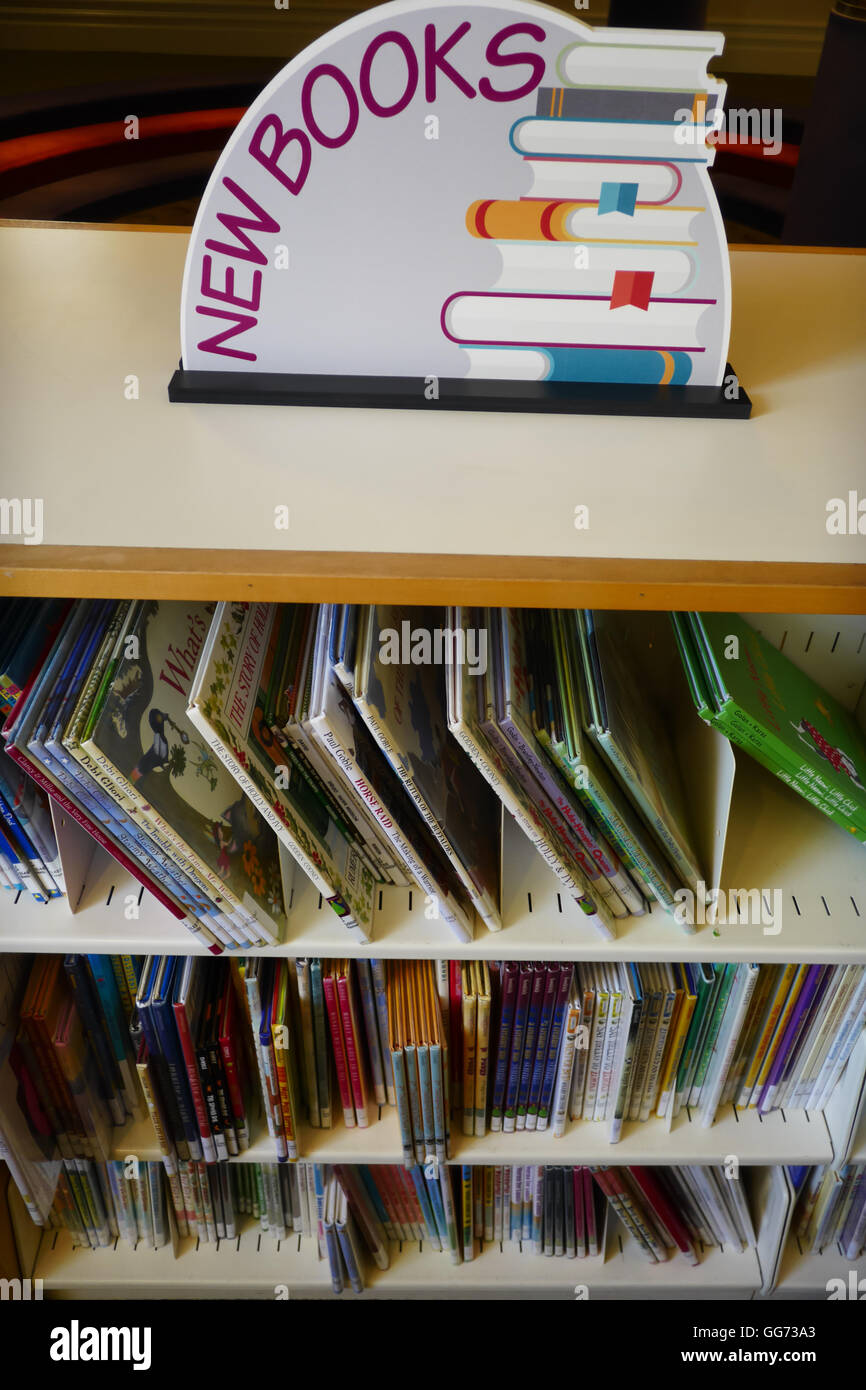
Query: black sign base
x=727, y=402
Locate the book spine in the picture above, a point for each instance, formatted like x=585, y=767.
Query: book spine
x=449, y=911
x=470, y=1012
x=603, y=856
x=154, y=1110
x=273, y=1102
x=560, y=1007
x=102, y=839
x=609, y=1053
x=667, y=1085
x=565, y=1071
x=521, y=1009
x=727, y=1041
x=549, y=999
x=371, y=1028
x=503, y=1043
x=596, y=1053
x=351, y=1038
x=305, y=1006
x=230, y=760
x=440, y=1108
x=281, y=1043
x=255, y=1014
x=380, y=993
x=320, y=1036
x=221, y=1092
x=410, y=1053
x=530, y=1040
x=586, y=1001
x=163, y=1022
x=187, y=1048
x=231, y=1069
x=706, y=1044
x=612, y=822
x=425, y=1092
x=343, y=1082
x=241, y=925
x=624, y=1067
x=404, y=1114
x=536, y=832
x=334, y=784
x=79, y=979
x=482, y=1064
x=650, y=1094
x=487, y=910
x=43, y=886
x=109, y=999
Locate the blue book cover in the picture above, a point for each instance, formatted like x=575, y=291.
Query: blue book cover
x=533, y=1022
x=557, y=1023
x=548, y=1006
x=90, y=1015
x=169, y=1044
x=521, y=1009
x=510, y=975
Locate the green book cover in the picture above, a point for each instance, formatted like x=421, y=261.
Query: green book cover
x=715, y=1023
x=786, y=720
x=705, y=989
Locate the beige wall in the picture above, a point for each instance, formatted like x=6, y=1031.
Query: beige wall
x=770, y=36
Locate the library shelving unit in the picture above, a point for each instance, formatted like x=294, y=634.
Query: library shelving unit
x=146, y=499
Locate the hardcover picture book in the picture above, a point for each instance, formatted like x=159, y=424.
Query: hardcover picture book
x=629, y=726
x=761, y=701
x=141, y=730
x=403, y=703
x=228, y=701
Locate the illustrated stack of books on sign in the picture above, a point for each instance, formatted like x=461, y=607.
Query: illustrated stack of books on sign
x=605, y=257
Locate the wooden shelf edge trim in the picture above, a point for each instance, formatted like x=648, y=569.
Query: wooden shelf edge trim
x=369, y=577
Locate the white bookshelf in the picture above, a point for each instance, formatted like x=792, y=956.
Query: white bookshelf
x=780, y=1137
x=774, y=840
x=710, y=514
x=254, y=1265
x=806, y=1276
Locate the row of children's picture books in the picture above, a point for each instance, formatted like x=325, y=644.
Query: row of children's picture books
x=99, y=1203
x=29, y=858
x=379, y=745
x=99, y=722
x=831, y=1209
x=682, y=1209
x=545, y=1210
x=456, y=1048
x=533, y=1045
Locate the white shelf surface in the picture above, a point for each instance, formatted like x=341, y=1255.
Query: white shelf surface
x=775, y=841
x=781, y=1137
x=253, y=1266
x=806, y=1276
x=858, y=1146
x=83, y=309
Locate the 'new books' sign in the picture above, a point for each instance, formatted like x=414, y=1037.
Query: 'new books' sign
x=490, y=189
